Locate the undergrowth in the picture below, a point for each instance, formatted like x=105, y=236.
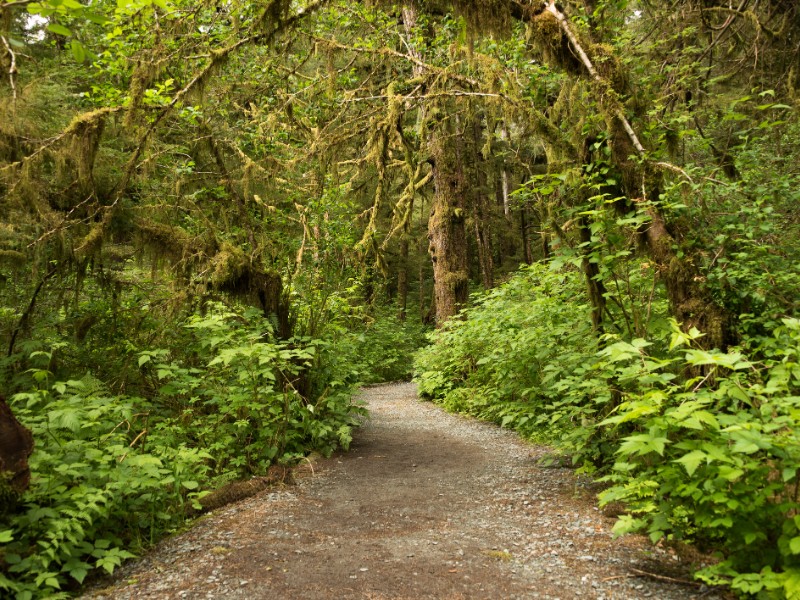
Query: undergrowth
x=113, y=471
x=700, y=445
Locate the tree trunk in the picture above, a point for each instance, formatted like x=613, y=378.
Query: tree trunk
x=402, y=278
x=481, y=205
x=16, y=445
x=504, y=177
x=523, y=229
x=446, y=229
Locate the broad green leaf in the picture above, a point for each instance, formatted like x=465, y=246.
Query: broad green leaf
x=794, y=545
x=78, y=52
x=791, y=584
x=58, y=29
x=692, y=460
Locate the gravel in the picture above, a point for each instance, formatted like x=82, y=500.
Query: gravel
x=425, y=505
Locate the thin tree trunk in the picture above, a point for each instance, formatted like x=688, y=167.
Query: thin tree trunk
x=526, y=241
x=505, y=177
x=481, y=206
x=402, y=278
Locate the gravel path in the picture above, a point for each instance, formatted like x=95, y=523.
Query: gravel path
x=425, y=505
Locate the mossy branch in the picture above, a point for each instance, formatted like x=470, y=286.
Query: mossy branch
x=576, y=45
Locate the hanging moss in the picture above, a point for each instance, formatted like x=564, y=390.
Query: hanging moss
x=230, y=269
x=549, y=39
x=12, y=258
x=168, y=240
x=84, y=135
x=142, y=77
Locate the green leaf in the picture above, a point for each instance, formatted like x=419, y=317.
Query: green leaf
x=95, y=17
x=627, y=524
x=692, y=460
x=78, y=52
x=794, y=545
x=643, y=444
x=791, y=584
x=6, y=536
x=144, y=359
x=67, y=418
x=58, y=29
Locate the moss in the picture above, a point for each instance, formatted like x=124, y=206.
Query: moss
x=93, y=242
x=549, y=39
x=454, y=280
x=173, y=241
x=12, y=258
x=230, y=267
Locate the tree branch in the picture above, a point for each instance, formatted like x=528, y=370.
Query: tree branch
x=573, y=39
x=12, y=70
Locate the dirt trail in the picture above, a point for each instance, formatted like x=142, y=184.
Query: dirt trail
x=425, y=505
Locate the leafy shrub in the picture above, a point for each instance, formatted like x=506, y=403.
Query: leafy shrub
x=506, y=359
x=700, y=445
x=384, y=346
x=714, y=459
x=111, y=473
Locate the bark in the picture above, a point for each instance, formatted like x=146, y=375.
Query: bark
x=446, y=226
x=688, y=297
x=402, y=279
x=526, y=240
x=16, y=445
x=274, y=302
x=481, y=206
x=504, y=177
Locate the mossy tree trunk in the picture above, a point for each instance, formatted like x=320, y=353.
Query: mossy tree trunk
x=447, y=234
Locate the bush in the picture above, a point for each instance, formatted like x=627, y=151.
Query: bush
x=505, y=360
x=714, y=459
x=112, y=473
x=700, y=445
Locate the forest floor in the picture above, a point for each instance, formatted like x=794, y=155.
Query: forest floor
x=425, y=505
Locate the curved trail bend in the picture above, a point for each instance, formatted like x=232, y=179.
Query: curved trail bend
x=425, y=505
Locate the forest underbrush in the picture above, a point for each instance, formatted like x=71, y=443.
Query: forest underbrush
x=699, y=446
x=148, y=412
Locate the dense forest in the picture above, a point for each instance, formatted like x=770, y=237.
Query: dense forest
x=217, y=219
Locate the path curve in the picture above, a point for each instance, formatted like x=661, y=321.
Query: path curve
x=425, y=505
